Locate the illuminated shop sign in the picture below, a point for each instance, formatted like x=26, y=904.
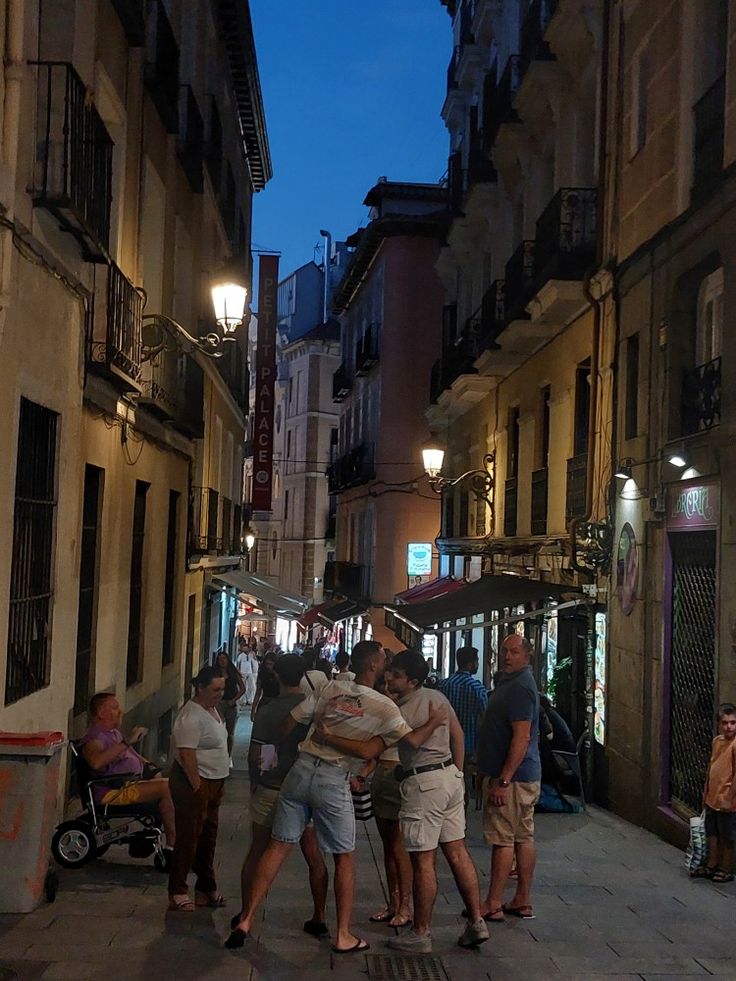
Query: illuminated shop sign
x=419, y=559
x=693, y=505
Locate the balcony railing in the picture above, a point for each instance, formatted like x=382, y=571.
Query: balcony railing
x=539, y=501
x=510, y=495
x=452, y=69
x=366, y=350
x=532, y=45
x=701, y=397
x=132, y=14
x=566, y=235
x=189, y=417
x=215, y=525
x=73, y=173
x=191, y=138
x=577, y=484
x=709, y=112
x=492, y=314
x=500, y=107
x=342, y=383
x=519, y=281
x=114, y=328
x=162, y=65
x=354, y=468
x=160, y=384
x=456, y=181
x=347, y=578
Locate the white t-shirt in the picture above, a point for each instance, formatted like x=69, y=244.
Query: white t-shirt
x=318, y=679
x=247, y=664
x=196, y=728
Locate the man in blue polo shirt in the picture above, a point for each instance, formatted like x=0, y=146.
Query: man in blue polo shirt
x=469, y=699
x=508, y=759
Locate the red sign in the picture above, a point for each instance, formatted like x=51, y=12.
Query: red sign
x=265, y=383
x=693, y=505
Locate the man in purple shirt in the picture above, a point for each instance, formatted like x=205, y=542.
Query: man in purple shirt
x=108, y=754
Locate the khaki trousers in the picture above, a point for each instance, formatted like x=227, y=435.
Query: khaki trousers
x=196, y=817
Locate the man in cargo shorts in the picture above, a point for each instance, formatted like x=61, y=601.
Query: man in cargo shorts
x=508, y=759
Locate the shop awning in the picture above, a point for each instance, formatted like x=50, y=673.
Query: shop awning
x=433, y=589
x=484, y=596
x=265, y=593
x=341, y=611
x=312, y=615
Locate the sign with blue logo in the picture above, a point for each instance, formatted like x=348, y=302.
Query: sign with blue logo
x=419, y=559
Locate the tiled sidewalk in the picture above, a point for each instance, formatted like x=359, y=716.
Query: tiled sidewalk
x=611, y=901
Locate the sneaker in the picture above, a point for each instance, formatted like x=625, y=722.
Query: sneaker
x=413, y=943
x=474, y=934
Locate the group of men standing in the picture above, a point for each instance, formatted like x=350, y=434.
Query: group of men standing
x=350, y=723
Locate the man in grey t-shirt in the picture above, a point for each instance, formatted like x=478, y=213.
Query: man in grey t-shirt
x=508, y=759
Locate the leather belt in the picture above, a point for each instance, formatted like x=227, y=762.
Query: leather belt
x=426, y=768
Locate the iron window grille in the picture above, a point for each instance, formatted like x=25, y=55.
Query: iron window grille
x=539, y=501
x=114, y=342
x=510, y=498
x=701, y=397
x=31, y=572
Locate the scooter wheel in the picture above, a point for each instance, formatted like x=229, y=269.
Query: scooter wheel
x=73, y=844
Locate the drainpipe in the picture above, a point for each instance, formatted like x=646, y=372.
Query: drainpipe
x=13, y=77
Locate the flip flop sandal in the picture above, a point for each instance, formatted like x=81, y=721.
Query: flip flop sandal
x=494, y=916
x=705, y=872
x=358, y=948
x=211, y=899
x=383, y=916
x=315, y=929
x=181, y=904
x=236, y=939
x=401, y=920
x=721, y=875
x=522, y=912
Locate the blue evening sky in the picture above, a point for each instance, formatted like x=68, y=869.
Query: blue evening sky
x=353, y=91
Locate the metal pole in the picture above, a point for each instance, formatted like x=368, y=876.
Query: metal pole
x=328, y=254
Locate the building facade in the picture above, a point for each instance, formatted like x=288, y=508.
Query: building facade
x=670, y=223
x=133, y=139
x=390, y=304
x=523, y=382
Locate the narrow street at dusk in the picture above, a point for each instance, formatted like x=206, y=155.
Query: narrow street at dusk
x=611, y=902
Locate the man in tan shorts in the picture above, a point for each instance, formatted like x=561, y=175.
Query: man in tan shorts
x=508, y=760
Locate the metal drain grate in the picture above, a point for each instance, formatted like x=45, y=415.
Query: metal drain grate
x=405, y=967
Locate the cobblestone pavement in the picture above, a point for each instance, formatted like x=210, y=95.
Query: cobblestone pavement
x=612, y=902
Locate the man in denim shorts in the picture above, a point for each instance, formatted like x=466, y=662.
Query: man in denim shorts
x=318, y=786
x=508, y=758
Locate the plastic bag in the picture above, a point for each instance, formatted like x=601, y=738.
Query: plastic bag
x=697, y=849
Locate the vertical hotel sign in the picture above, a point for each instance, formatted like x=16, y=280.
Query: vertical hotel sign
x=265, y=383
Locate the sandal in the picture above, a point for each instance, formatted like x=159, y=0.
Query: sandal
x=181, y=904
x=704, y=872
x=494, y=915
x=383, y=916
x=523, y=912
x=211, y=899
x=401, y=920
x=722, y=875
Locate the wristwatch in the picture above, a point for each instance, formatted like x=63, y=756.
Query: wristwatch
x=502, y=782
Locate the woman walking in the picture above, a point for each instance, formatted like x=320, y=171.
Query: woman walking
x=197, y=783
x=234, y=690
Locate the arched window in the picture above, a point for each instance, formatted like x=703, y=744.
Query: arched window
x=709, y=322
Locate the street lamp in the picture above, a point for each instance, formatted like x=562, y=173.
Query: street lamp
x=479, y=481
x=249, y=537
x=229, y=295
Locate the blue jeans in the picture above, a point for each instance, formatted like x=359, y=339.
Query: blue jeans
x=316, y=791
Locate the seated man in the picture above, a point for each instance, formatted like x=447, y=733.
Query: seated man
x=108, y=754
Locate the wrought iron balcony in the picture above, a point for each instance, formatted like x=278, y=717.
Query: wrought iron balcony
x=114, y=328
x=354, y=468
x=73, y=172
x=539, y=501
x=132, y=14
x=566, y=235
x=189, y=418
x=701, y=397
x=510, y=497
x=532, y=45
x=366, y=350
x=190, y=145
x=492, y=314
x=162, y=65
x=342, y=383
x=204, y=515
x=709, y=112
x=160, y=384
x=577, y=484
x=456, y=181
x=498, y=100
x=519, y=281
